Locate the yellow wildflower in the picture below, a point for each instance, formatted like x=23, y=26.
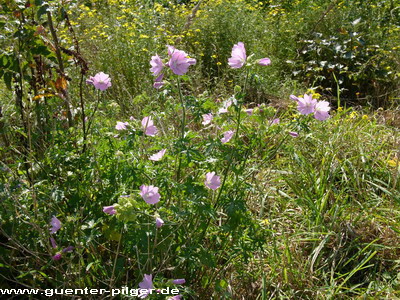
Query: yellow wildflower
x=265, y=222
x=353, y=115
x=393, y=162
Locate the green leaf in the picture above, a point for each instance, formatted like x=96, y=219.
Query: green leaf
x=89, y=266
x=42, y=10
x=61, y=14
x=41, y=50
x=3, y=61
x=8, y=79
x=185, y=78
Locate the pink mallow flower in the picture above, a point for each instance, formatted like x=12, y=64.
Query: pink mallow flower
x=321, y=111
x=171, y=50
x=158, y=83
x=227, y=136
x=179, y=61
x=207, y=118
x=293, y=134
x=249, y=111
x=179, y=281
x=57, y=256
x=225, y=107
x=158, y=156
x=264, y=61
x=306, y=105
x=55, y=224
x=68, y=249
x=159, y=222
x=148, y=126
x=146, y=284
x=238, y=56
x=109, y=210
x=156, y=65
x=100, y=81
x=212, y=181
x=53, y=243
x=149, y=194
x=121, y=125
x=275, y=121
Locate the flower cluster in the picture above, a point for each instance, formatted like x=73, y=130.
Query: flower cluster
x=179, y=63
x=307, y=105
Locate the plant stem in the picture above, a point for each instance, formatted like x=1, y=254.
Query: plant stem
x=83, y=114
x=95, y=109
x=61, y=67
x=178, y=174
x=240, y=105
x=183, y=109
x=115, y=259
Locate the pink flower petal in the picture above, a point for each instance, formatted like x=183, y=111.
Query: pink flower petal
x=264, y=61
x=150, y=194
x=156, y=65
x=121, y=125
x=212, y=181
x=179, y=281
x=159, y=222
x=207, y=118
x=146, y=284
x=158, y=156
x=322, y=109
x=55, y=225
x=306, y=105
x=148, y=126
x=227, y=136
x=100, y=81
x=249, y=111
x=238, y=56
x=109, y=210
x=57, y=256
x=53, y=243
x=179, y=61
